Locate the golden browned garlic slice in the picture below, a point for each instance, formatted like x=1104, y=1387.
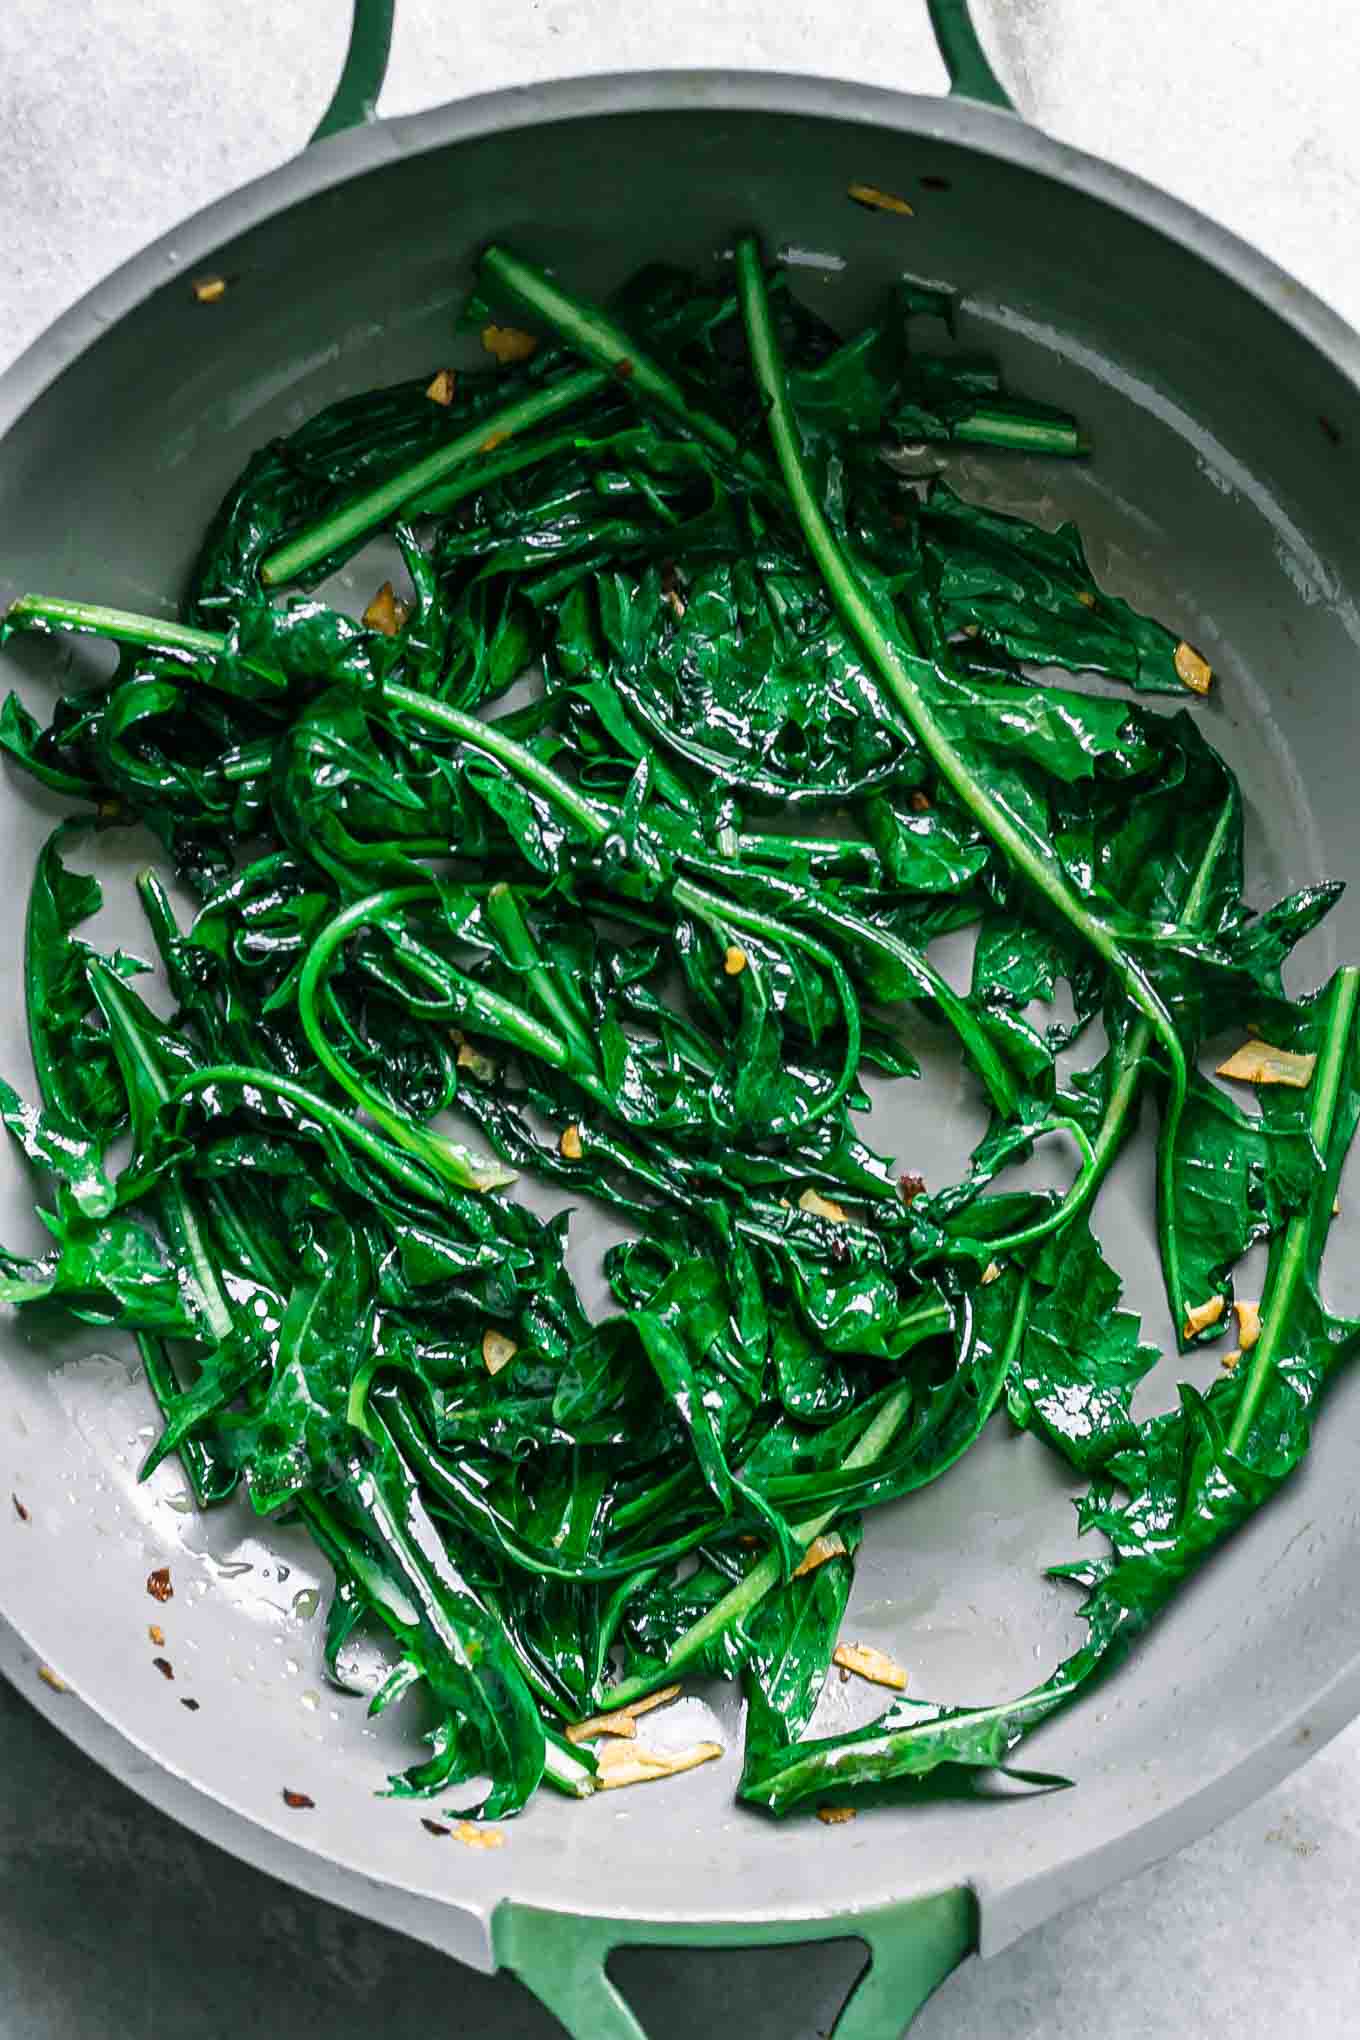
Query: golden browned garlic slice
x=1248, y=1324
x=624, y=1721
x=869, y=1663
x=823, y=1207
x=830, y=1545
x=1256, y=1062
x=508, y=344
x=879, y=201
x=629, y=1763
x=498, y=1350
x=384, y=612
x=1192, y=668
x=1200, y=1316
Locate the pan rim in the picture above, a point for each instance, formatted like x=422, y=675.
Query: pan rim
x=1007, y=139
x=994, y=132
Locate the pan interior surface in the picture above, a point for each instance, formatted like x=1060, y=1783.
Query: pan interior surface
x=1220, y=497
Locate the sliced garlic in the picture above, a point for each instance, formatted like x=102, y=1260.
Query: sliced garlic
x=473, y=1837
x=498, y=1350
x=869, y=1663
x=625, y=1763
x=624, y=1721
x=1192, y=668
x=879, y=201
x=829, y=1545
x=734, y=961
x=508, y=343
x=1256, y=1062
x=473, y=1060
x=442, y=388
x=1200, y=1316
x=384, y=612
x=823, y=1207
x=569, y=1147
x=1248, y=1324
x=833, y=1816
x=208, y=289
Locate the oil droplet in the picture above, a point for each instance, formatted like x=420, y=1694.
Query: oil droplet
x=311, y=1700
x=306, y=1602
x=232, y=1569
x=292, y=1667
x=181, y=1503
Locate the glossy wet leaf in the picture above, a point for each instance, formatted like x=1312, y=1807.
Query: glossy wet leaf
x=653, y=935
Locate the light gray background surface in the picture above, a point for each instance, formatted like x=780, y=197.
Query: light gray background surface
x=117, y=120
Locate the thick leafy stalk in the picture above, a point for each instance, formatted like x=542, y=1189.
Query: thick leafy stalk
x=180, y=1216
x=724, y=915
x=352, y=1131
x=364, y=513
x=1278, y=1303
x=765, y=1573
x=502, y=911
x=518, y=758
x=592, y=332
x=1029, y=859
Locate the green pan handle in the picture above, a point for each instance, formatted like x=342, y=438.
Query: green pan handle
x=355, y=98
x=562, y=1958
x=970, y=73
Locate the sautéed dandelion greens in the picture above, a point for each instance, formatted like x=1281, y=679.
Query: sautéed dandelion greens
x=645, y=939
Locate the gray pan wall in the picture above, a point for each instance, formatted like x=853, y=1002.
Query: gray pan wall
x=1217, y=497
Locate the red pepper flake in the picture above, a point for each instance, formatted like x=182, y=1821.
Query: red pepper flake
x=158, y=1584
x=20, y=1511
x=911, y=1186
x=432, y=1827
x=919, y=803
x=623, y=369
x=296, y=1799
x=164, y=1667
x=192, y=1705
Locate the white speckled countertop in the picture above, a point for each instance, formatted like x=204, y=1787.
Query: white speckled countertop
x=114, y=1922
